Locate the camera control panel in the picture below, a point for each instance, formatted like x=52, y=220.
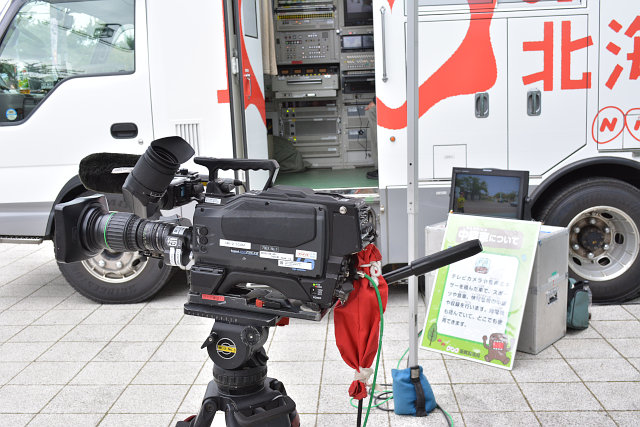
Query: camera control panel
x=357, y=61
x=306, y=47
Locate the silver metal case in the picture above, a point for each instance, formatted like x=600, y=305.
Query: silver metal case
x=545, y=315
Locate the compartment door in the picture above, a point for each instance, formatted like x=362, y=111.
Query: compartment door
x=617, y=124
x=247, y=83
x=463, y=100
x=548, y=82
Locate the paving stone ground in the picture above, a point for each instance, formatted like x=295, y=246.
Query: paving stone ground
x=66, y=360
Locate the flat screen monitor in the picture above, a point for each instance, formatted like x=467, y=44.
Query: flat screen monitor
x=367, y=42
x=489, y=192
x=358, y=12
x=352, y=42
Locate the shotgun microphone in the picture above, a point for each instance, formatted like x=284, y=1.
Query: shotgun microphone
x=106, y=172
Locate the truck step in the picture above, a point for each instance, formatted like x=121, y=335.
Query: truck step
x=21, y=239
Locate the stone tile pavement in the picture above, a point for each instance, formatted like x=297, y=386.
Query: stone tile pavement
x=65, y=360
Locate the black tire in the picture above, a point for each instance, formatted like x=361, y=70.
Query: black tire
x=125, y=277
x=604, y=218
x=152, y=277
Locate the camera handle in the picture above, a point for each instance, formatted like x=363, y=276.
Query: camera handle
x=214, y=165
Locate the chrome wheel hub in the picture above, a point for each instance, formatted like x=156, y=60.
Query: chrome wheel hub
x=115, y=267
x=603, y=243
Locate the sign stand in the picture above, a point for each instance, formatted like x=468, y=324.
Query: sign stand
x=477, y=304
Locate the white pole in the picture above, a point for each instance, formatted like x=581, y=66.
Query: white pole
x=412, y=169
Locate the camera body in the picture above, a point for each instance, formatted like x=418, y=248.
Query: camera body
x=285, y=251
x=293, y=240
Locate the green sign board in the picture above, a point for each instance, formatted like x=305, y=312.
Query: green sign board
x=476, y=306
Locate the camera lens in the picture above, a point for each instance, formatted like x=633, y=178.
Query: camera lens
x=123, y=232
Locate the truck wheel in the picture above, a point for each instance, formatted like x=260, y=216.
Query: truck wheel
x=117, y=277
x=603, y=217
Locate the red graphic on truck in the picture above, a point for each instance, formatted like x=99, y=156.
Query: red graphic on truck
x=607, y=125
x=472, y=68
x=634, y=56
x=632, y=123
x=251, y=88
x=568, y=45
x=611, y=121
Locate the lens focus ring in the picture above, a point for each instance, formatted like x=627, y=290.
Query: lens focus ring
x=115, y=232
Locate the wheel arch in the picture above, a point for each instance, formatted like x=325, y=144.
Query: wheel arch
x=607, y=167
x=72, y=189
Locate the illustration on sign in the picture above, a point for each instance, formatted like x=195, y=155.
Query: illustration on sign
x=477, y=304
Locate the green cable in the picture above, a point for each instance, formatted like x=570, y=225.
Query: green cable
x=447, y=414
x=375, y=372
x=406, y=351
x=104, y=233
x=402, y=357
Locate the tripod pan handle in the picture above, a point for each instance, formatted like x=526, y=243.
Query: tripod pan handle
x=288, y=406
x=433, y=262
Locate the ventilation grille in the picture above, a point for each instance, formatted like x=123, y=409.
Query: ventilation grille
x=190, y=132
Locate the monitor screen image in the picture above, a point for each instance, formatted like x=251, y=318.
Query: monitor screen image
x=359, y=6
x=367, y=42
x=352, y=42
x=491, y=192
x=358, y=12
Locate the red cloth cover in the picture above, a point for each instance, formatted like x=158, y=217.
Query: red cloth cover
x=357, y=323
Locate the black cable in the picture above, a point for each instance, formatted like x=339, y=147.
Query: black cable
x=447, y=416
x=383, y=396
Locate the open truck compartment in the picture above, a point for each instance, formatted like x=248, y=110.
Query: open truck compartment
x=325, y=80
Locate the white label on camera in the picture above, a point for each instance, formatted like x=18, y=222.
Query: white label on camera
x=306, y=254
x=235, y=244
x=172, y=241
x=122, y=170
x=172, y=257
x=276, y=255
x=213, y=200
x=295, y=264
x=179, y=230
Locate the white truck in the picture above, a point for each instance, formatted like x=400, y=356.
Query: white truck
x=548, y=86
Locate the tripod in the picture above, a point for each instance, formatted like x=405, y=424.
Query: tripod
x=240, y=386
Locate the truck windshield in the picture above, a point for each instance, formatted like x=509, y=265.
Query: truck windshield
x=48, y=42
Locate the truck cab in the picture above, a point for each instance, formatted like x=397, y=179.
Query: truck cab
x=82, y=77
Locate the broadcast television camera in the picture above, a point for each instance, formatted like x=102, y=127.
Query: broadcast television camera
x=293, y=241
x=253, y=258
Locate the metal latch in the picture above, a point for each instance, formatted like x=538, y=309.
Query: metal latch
x=482, y=105
x=534, y=103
